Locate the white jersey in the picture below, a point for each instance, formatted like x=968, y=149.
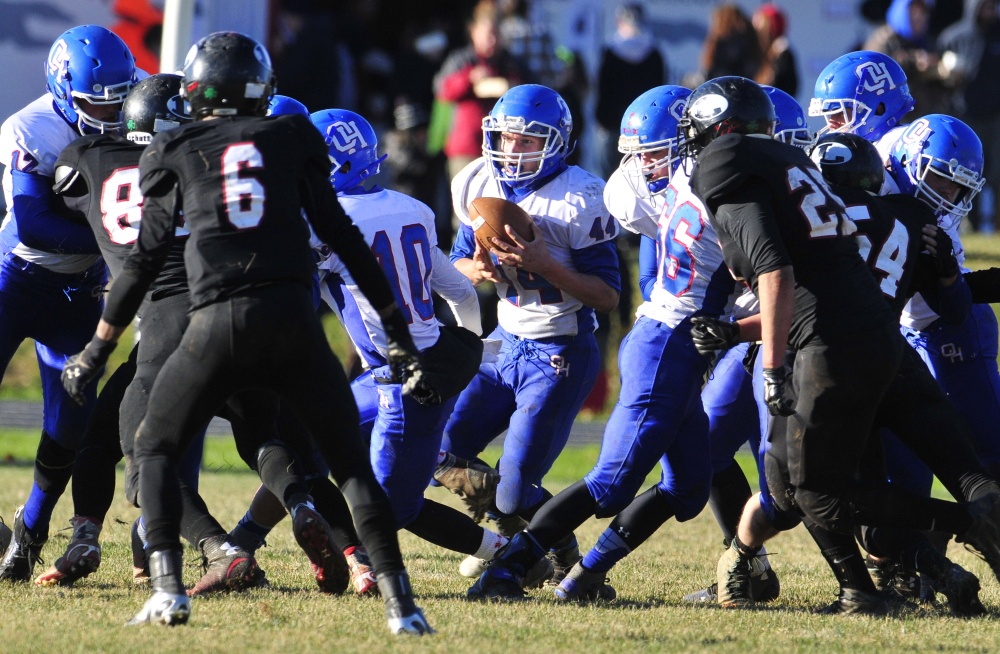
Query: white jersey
x=917, y=315
x=691, y=277
x=637, y=215
x=400, y=232
x=569, y=210
x=30, y=141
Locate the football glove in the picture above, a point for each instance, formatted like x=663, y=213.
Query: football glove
x=402, y=354
x=711, y=334
x=83, y=368
x=774, y=392
x=945, y=263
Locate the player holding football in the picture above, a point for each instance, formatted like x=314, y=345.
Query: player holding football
x=549, y=289
x=252, y=322
x=52, y=276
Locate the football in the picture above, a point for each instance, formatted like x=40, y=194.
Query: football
x=490, y=215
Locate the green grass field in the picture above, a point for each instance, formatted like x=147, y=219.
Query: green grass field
x=292, y=616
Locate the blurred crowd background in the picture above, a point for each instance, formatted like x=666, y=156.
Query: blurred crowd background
x=425, y=73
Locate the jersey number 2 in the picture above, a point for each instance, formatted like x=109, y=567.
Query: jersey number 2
x=242, y=195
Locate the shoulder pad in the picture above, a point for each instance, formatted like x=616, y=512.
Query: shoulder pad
x=720, y=167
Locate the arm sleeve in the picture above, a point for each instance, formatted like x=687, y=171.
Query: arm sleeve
x=457, y=291
x=647, y=266
x=334, y=227
x=749, y=217
x=953, y=304
x=985, y=285
x=465, y=243
x=601, y=261
x=160, y=210
x=39, y=226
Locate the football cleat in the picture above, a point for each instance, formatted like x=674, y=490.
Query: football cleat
x=6, y=535
x=227, y=568
x=23, y=552
x=314, y=537
x=473, y=567
x=584, y=585
x=857, y=601
x=983, y=537
x=402, y=613
x=140, y=562
x=475, y=483
x=163, y=608
x=961, y=587
x=82, y=557
x=501, y=581
x=733, y=578
x=764, y=586
x=564, y=556
x=414, y=624
x=360, y=566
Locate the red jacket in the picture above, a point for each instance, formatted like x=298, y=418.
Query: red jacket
x=452, y=84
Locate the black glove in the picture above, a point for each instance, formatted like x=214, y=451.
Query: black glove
x=711, y=334
x=402, y=355
x=83, y=368
x=774, y=392
x=945, y=263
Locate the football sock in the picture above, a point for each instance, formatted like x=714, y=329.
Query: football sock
x=729, y=494
x=561, y=515
x=886, y=505
x=844, y=558
x=491, y=543
x=197, y=524
x=248, y=533
x=140, y=529
x=281, y=473
x=53, y=468
x=609, y=550
x=94, y=481
x=448, y=528
x=640, y=519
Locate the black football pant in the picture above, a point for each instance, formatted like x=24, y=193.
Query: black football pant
x=266, y=339
x=815, y=454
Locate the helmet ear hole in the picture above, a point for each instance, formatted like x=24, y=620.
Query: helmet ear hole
x=880, y=109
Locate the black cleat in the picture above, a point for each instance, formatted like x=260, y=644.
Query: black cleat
x=857, y=601
x=23, y=552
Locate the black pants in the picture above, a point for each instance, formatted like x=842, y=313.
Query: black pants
x=267, y=339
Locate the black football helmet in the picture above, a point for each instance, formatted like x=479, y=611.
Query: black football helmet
x=720, y=106
x=227, y=74
x=153, y=105
x=848, y=160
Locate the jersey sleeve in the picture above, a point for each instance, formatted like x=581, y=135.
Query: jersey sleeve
x=457, y=291
x=591, y=223
x=465, y=243
x=747, y=214
x=634, y=215
x=647, y=266
x=468, y=184
x=719, y=170
x=39, y=226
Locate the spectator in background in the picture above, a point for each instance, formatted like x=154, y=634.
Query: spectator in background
x=777, y=66
x=314, y=68
x=906, y=38
x=732, y=46
x=972, y=55
x=530, y=43
x=630, y=66
x=473, y=78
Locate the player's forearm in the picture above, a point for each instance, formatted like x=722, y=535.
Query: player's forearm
x=776, y=291
x=41, y=228
x=108, y=332
x=750, y=329
x=471, y=271
x=589, y=289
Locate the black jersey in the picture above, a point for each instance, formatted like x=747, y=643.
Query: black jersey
x=102, y=183
x=771, y=208
x=244, y=183
x=890, y=240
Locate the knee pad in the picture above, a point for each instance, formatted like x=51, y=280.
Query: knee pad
x=53, y=456
x=780, y=519
x=132, y=482
x=781, y=493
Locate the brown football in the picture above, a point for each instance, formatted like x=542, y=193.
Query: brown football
x=489, y=215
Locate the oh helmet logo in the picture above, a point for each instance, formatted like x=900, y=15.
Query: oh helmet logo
x=676, y=109
x=345, y=136
x=917, y=132
x=58, y=56
x=879, y=74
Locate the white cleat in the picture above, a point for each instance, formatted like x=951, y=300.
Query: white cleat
x=164, y=608
x=414, y=624
x=473, y=567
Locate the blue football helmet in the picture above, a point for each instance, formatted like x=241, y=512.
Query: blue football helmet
x=945, y=147
x=650, y=126
x=532, y=110
x=91, y=63
x=282, y=105
x=353, y=147
x=789, y=118
x=865, y=91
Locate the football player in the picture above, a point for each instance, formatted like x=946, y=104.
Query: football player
x=659, y=416
x=773, y=216
x=52, y=276
x=252, y=320
x=549, y=288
